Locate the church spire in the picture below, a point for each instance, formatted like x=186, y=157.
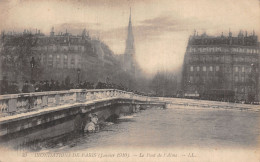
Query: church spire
x=130, y=38
x=129, y=55
x=130, y=15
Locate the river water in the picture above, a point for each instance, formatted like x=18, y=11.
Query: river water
x=171, y=128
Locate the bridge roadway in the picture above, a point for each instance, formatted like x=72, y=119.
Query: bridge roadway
x=28, y=117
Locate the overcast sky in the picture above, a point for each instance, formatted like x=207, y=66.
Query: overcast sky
x=161, y=27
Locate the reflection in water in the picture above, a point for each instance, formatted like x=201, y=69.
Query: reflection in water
x=169, y=128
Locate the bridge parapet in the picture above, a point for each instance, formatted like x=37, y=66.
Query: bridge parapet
x=25, y=102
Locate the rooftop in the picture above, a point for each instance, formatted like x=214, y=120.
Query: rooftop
x=241, y=39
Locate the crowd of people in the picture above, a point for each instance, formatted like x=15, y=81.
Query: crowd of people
x=54, y=85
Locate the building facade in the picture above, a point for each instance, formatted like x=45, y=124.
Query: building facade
x=222, y=68
x=57, y=56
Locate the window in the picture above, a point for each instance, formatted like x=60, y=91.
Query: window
x=197, y=79
x=216, y=78
x=242, y=90
x=216, y=58
x=57, y=59
x=236, y=89
x=204, y=79
x=242, y=79
x=228, y=59
x=209, y=58
x=198, y=68
x=191, y=79
x=228, y=69
x=195, y=58
x=65, y=62
x=243, y=69
x=222, y=59
x=50, y=61
x=190, y=59
x=204, y=68
x=210, y=68
x=236, y=69
x=236, y=78
x=72, y=61
x=217, y=68
x=203, y=58
x=54, y=48
x=191, y=68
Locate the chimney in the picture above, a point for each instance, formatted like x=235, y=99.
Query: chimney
x=52, y=31
x=230, y=37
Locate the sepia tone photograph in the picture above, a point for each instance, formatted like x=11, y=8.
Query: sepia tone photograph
x=130, y=80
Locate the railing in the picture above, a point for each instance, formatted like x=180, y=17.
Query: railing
x=25, y=102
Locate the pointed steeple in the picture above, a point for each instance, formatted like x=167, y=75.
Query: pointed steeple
x=130, y=16
x=130, y=38
x=129, y=55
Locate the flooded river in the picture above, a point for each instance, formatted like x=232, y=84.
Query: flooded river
x=171, y=128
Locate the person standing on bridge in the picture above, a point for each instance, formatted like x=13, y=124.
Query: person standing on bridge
x=25, y=87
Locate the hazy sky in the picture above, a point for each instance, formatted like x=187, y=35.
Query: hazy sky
x=161, y=27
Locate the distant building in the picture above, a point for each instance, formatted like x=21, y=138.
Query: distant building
x=222, y=68
x=129, y=62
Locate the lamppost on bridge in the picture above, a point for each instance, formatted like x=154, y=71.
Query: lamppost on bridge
x=32, y=64
x=78, y=72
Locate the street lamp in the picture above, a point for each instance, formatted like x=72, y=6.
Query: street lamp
x=78, y=72
x=32, y=63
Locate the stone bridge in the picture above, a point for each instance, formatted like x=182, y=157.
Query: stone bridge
x=37, y=116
